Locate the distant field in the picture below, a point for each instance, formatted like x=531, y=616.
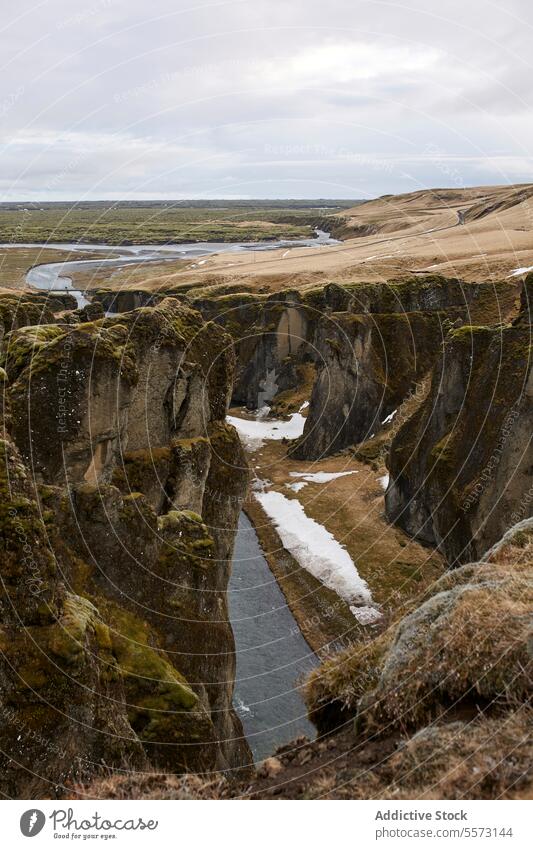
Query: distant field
x=159, y=222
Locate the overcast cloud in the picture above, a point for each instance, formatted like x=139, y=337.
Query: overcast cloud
x=262, y=98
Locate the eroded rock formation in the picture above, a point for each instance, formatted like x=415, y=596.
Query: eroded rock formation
x=121, y=489
x=461, y=467
x=272, y=335
x=374, y=344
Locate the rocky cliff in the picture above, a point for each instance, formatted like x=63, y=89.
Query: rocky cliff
x=374, y=343
x=271, y=334
x=122, y=485
x=461, y=467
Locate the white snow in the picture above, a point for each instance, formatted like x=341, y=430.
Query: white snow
x=320, y=477
x=296, y=487
x=304, y=406
x=366, y=615
x=314, y=547
x=389, y=418
x=314, y=477
x=377, y=256
x=384, y=481
x=518, y=271
x=254, y=433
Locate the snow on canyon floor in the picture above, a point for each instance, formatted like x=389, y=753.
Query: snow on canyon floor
x=329, y=515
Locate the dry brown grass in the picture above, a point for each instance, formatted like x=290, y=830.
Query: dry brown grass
x=467, y=644
x=483, y=759
x=416, y=232
x=151, y=786
x=333, y=690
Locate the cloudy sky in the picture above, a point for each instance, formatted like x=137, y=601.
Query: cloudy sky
x=262, y=98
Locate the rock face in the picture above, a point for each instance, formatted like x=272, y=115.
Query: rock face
x=122, y=485
x=461, y=467
x=466, y=645
x=373, y=345
x=271, y=335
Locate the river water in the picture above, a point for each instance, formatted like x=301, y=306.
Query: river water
x=272, y=655
x=54, y=276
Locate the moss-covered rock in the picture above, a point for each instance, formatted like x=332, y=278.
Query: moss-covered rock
x=138, y=399
x=461, y=466
x=165, y=712
x=22, y=310
x=465, y=648
x=466, y=645
x=369, y=363
x=29, y=569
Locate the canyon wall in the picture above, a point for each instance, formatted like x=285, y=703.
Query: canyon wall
x=271, y=335
x=122, y=485
x=374, y=343
x=461, y=469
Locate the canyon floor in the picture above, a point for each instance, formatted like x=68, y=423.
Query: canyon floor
x=345, y=497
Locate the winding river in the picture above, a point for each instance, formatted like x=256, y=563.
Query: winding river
x=54, y=276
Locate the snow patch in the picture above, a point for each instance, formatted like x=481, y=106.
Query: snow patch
x=315, y=549
x=260, y=484
x=366, y=615
x=296, y=487
x=389, y=418
x=384, y=481
x=254, y=433
x=518, y=271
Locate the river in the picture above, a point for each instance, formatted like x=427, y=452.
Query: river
x=272, y=655
x=54, y=276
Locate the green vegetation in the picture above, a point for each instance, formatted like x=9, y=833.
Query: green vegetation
x=158, y=222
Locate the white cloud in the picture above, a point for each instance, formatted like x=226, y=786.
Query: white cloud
x=340, y=63
x=177, y=98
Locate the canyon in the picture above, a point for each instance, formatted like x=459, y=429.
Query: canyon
x=391, y=418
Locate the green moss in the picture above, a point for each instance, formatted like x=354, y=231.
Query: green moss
x=22, y=345
x=162, y=707
x=187, y=445
x=335, y=344
x=469, y=330
x=187, y=540
x=67, y=637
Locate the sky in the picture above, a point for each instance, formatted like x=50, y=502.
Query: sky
x=124, y=99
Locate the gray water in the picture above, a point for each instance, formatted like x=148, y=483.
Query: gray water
x=53, y=276
x=272, y=655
